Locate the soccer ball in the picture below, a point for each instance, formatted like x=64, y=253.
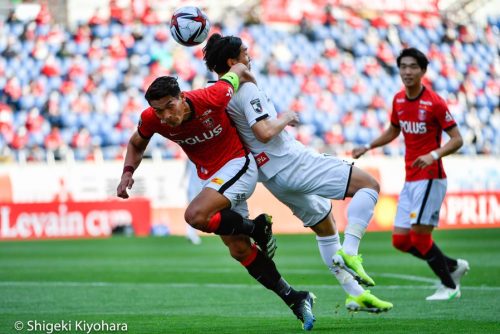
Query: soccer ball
x=189, y=26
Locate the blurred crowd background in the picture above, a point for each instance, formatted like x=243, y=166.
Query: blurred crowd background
x=74, y=90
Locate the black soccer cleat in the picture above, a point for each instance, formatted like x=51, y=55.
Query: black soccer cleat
x=263, y=235
x=303, y=309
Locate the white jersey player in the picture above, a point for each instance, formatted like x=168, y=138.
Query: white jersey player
x=301, y=178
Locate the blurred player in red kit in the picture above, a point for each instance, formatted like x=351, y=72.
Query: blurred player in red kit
x=422, y=116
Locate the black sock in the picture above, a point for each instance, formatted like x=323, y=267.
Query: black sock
x=452, y=263
x=233, y=223
x=265, y=272
x=437, y=261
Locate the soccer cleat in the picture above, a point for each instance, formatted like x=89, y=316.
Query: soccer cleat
x=263, y=235
x=445, y=293
x=353, y=265
x=367, y=302
x=461, y=270
x=303, y=310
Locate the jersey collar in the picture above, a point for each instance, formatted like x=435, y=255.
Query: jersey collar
x=416, y=97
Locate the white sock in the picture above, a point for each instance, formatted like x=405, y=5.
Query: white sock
x=328, y=246
x=359, y=214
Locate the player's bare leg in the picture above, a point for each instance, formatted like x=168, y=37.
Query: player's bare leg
x=418, y=242
x=209, y=212
x=264, y=270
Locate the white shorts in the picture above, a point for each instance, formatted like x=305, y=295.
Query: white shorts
x=420, y=202
x=308, y=185
x=236, y=180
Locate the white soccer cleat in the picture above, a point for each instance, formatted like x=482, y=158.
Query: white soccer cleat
x=445, y=293
x=461, y=270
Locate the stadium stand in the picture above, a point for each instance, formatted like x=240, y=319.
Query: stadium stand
x=76, y=94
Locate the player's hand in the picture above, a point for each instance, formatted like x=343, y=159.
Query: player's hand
x=358, y=151
x=126, y=182
x=423, y=161
x=293, y=118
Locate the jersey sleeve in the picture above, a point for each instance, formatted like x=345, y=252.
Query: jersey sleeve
x=443, y=115
x=251, y=103
x=145, y=127
x=394, y=114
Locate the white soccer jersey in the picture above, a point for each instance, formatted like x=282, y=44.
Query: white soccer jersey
x=249, y=105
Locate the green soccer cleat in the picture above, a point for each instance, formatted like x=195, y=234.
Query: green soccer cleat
x=353, y=265
x=367, y=302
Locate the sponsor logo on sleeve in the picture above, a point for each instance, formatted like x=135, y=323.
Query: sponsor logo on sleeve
x=261, y=159
x=257, y=106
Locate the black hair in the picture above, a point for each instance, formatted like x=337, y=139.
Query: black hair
x=414, y=53
x=161, y=87
x=218, y=50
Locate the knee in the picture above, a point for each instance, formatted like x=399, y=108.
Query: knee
x=372, y=183
x=401, y=242
x=195, y=217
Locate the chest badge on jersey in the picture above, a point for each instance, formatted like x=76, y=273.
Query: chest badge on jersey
x=422, y=114
x=208, y=123
x=257, y=106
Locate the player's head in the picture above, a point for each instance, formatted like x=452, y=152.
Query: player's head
x=167, y=100
x=220, y=53
x=412, y=64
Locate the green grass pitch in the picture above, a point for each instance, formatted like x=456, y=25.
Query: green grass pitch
x=166, y=285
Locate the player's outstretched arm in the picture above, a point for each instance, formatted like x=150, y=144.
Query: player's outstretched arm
x=135, y=151
x=265, y=130
x=386, y=137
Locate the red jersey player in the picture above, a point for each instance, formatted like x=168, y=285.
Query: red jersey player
x=198, y=122
x=422, y=115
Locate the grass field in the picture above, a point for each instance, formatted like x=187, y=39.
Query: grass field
x=166, y=285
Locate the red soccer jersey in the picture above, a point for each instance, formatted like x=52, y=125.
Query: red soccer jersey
x=422, y=121
x=208, y=137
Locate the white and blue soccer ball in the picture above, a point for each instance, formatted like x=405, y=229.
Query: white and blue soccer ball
x=189, y=26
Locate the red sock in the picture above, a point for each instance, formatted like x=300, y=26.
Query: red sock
x=213, y=223
x=401, y=242
x=422, y=242
x=250, y=258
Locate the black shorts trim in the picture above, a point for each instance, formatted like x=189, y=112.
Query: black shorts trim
x=331, y=208
x=424, y=202
x=242, y=171
x=348, y=182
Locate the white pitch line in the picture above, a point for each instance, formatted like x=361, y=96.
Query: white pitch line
x=210, y=285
